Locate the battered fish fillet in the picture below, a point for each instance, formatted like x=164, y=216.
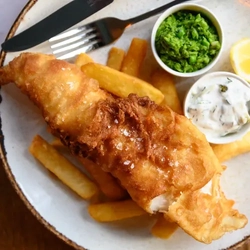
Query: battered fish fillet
x=159, y=157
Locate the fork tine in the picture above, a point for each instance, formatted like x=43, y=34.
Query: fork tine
x=93, y=37
x=71, y=32
x=75, y=38
x=89, y=47
x=72, y=42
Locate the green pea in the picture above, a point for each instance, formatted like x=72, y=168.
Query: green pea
x=187, y=41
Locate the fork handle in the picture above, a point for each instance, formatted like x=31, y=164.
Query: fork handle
x=154, y=12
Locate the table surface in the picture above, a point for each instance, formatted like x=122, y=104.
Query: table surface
x=19, y=229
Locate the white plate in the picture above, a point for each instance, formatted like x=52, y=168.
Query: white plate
x=52, y=202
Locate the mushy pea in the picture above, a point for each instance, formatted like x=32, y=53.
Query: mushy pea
x=186, y=41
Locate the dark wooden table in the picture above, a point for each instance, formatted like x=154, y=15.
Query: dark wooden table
x=19, y=229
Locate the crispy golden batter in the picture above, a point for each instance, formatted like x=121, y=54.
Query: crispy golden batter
x=206, y=214
x=58, y=88
x=136, y=140
x=159, y=157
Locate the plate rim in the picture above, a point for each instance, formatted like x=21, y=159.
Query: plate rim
x=3, y=160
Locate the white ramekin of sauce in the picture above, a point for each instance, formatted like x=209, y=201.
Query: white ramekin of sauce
x=219, y=105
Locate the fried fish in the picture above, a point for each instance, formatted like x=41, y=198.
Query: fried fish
x=158, y=156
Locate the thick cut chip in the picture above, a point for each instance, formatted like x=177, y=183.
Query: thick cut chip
x=121, y=84
x=115, y=58
x=163, y=228
x=225, y=152
x=165, y=83
x=114, y=211
x=62, y=168
x=82, y=59
x=135, y=56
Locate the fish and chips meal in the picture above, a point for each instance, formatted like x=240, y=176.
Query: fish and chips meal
x=140, y=154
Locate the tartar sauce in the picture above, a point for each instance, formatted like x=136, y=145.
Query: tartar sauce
x=219, y=105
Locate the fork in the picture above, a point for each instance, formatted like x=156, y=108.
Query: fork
x=97, y=34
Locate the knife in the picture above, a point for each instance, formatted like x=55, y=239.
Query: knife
x=57, y=22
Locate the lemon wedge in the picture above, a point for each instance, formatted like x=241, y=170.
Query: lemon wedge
x=240, y=58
